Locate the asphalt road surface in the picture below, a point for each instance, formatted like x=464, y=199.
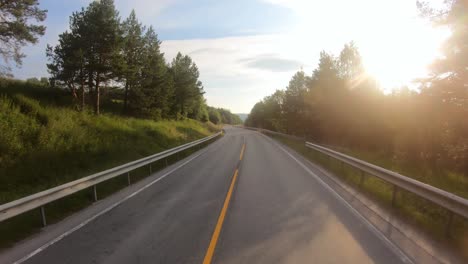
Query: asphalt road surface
x=222, y=206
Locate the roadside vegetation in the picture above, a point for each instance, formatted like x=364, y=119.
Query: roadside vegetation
x=45, y=142
x=421, y=214
x=111, y=98
x=419, y=131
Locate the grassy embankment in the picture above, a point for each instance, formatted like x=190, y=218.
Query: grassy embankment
x=417, y=211
x=45, y=143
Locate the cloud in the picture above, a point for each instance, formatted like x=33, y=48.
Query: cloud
x=146, y=9
x=238, y=71
x=271, y=62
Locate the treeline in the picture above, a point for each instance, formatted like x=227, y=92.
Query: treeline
x=223, y=116
x=338, y=104
x=100, y=54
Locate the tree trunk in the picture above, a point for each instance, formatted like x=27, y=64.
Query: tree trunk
x=97, y=96
x=126, y=98
x=73, y=91
x=72, y=88
x=82, y=95
x=91, y=86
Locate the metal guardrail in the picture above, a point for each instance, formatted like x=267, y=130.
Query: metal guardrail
x=449, y=201
x=40, y=199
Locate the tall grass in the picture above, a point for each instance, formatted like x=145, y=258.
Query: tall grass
x=44, y=144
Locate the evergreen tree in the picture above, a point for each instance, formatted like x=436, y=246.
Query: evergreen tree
x=448, y=82
x=88, y=54
x=153, y=97
x=99, y=33
x=66, y=66
x=16, y=30
x=350, y=63
x=133, y=54
x=188, y=89
x=294, y=105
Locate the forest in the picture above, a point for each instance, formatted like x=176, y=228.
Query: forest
x=102, y=57
x=111, y=98
x=421, y=128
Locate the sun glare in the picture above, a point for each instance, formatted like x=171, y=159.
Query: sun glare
x=396, y=59
x=396, y=45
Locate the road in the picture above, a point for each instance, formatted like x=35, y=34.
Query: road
x=271, y=211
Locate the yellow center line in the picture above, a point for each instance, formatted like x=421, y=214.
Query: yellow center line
x=242, y=152
x=219, y=224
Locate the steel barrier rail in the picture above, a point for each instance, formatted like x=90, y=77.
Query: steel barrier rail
x=451, y=202
x=40, y=199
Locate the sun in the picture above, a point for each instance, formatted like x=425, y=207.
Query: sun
x=395, y=43
x=397, y=59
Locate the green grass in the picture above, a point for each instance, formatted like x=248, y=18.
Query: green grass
x=43, y=146
x=446, y=180
x=427, y=216
x=45, y=143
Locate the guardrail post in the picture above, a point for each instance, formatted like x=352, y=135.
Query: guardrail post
x=128, y=178
x=151, y=169
x=95, y=193
x=166, y=162
x=449, y=224
x=394, y=194
x=43, y=216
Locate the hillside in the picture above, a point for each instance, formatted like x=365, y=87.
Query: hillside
x=45, y=142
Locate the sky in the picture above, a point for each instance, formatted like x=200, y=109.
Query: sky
x=247, y=49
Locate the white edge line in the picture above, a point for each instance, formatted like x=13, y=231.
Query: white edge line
x=370, y=226
x=87, y=221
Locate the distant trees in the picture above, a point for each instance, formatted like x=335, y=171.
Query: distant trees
x=338, y=104
x=214, y=115
x=100, y=51
x=17, y=30
x=43, y=81
x=223, y=116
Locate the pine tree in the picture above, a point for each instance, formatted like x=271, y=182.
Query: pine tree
x=152, y=98
x=188, y=89
x=16, y=29
x=100, y=34
x=66, y=66
x=133, y=54
x=88, y=55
